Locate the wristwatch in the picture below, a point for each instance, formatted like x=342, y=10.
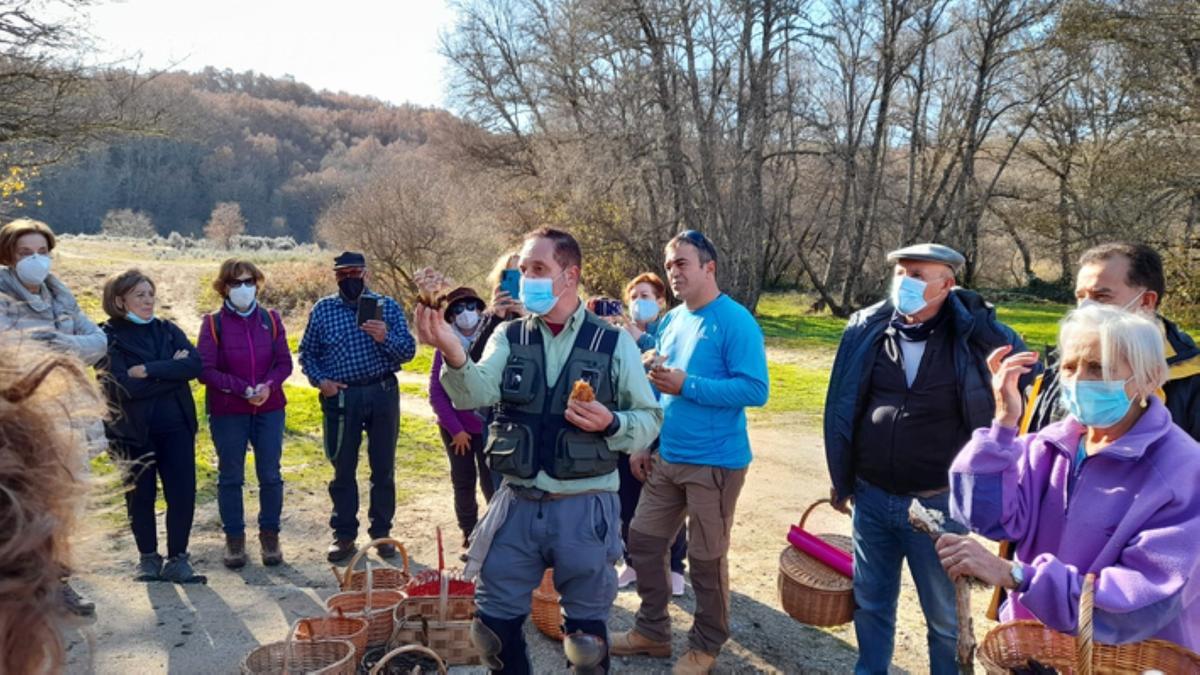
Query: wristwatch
x=613, y=427
x=1017, y=572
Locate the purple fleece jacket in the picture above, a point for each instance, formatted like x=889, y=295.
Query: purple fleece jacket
x=1133, y=519
x=245, y=357
x=449, y=418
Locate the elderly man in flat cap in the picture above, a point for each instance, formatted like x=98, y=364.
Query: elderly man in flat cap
x=909, y=384
x=353, y=345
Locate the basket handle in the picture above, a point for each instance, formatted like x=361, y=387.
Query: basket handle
x=344, y=579
x=378, y=668
x=1083, y=638
x=804, y=518
x=443, y=596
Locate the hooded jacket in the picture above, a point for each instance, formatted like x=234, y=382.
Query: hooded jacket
x=52, y=310
x=975, y=333
x=1132, y=518
x=245, y=355
x=153, y=345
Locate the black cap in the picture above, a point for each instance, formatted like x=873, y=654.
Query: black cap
x=349, y=259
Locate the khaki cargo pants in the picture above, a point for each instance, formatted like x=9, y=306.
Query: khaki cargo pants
x=706, y=496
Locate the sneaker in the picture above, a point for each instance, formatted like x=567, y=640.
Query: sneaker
x=386, y=551
x=340, y=549
x=676, y=584
x=272, y=555
x=235, y=551
x=76, y=603
x=149, y=567
x=178, y=570
x=627, y=577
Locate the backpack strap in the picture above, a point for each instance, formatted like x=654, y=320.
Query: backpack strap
x=214, y=327
x=268, y=320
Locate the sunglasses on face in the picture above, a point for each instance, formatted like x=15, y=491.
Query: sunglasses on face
x=464, y=306
x=352, y=273
x=237, y=283
x=700, y=241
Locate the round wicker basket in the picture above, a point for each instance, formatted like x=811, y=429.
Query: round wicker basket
x=809, y=590
x=1014, y=644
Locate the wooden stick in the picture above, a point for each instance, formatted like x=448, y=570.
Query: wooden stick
x=931, y=522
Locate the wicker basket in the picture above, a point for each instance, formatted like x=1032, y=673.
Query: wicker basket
x=406, y=649
x=323, y=657
x=442, y=623
x=377, y=607
x=1014, y=644
x=352, y=629
x=547, y=614
x=809, y=590
x=382, y=578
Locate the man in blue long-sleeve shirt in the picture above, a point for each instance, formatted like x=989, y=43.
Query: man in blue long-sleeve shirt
x=715, y=367
x=353, y=365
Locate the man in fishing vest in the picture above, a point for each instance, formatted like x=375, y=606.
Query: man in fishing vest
x=558, y=505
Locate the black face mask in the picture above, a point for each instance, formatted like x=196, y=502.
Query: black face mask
x=351, y=287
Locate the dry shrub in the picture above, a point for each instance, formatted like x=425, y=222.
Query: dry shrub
x=292, y=287
x=44, y=397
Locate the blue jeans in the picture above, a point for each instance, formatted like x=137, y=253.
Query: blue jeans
x=883, y=539
x=231, y=434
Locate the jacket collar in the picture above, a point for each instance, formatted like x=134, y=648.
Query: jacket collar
x=1148, y=430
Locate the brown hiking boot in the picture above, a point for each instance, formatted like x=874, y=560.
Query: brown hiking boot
x=694, y=662
x=235, y=551
x=632, y=642
x=271, y=553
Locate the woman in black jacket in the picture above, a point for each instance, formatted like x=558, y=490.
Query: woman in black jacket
x=152, y=431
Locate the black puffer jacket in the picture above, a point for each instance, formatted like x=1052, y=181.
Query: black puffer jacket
x=133, y=399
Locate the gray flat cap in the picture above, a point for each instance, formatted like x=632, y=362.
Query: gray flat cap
x=928, y=252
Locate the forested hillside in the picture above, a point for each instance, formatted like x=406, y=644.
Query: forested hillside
x=275, y=147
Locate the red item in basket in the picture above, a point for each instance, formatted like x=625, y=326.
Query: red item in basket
x=837, y=559
x=428, y=583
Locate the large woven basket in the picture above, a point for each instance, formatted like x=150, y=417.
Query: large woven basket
x=441, y=623
x=408, y=649
x=809, y=590
x=352, y=629
x=1013, y=644
x=377, y=607
x=546, y=611
x=316, y=657
x=382, y=578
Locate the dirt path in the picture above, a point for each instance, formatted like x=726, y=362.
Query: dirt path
x=145, y=628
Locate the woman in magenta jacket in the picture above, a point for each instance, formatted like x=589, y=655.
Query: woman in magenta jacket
x=246, y=360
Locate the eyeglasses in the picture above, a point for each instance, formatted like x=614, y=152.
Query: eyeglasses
x=460, y=307
x=236, y=283
x=700, y=241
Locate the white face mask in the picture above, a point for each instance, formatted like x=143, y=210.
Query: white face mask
x=242, y=296
x=467, y=320
x=33, y=269
x=1134, y=305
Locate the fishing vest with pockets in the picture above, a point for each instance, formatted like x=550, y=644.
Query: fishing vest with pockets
x=529, y=432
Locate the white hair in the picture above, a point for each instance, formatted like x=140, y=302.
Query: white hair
x=1131, y=337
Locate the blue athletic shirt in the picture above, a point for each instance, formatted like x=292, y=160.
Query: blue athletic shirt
x=721, y=348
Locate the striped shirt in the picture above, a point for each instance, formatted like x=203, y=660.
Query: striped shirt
x=334, y=347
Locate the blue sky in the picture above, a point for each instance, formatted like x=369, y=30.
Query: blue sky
x=386, y=49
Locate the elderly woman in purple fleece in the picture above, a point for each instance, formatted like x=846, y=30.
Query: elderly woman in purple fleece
x=462, y=430
x=1113, y=490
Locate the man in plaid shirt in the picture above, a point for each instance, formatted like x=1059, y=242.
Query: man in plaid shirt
x=353, y=365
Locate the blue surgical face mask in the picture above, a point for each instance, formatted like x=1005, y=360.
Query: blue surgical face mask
x=137, y=319
x=908, y=295
x=643, y=309
x=538, y=294
x=1095, y=403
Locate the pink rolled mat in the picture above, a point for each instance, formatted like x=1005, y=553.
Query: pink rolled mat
x=837, y=559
